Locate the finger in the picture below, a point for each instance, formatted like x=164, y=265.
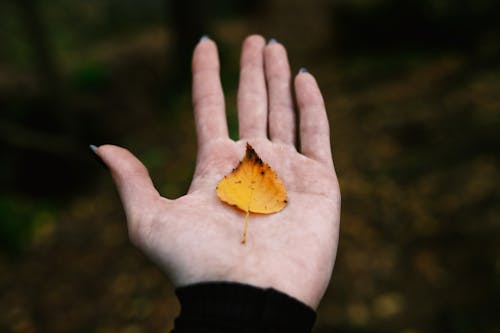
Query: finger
x=281, y=111
x=252, y=96
x=208, y=97
x=314, y=128
x=131, y=178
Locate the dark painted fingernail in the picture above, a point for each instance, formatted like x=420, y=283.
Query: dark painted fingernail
x=203, y=38
x=93, y=149
x=303, y=70
x=272, y=41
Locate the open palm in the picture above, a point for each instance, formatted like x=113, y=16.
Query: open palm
x=196, y=238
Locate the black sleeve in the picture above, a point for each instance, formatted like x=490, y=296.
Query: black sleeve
x=227, y=307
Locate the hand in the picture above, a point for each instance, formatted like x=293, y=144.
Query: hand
x=196, y=238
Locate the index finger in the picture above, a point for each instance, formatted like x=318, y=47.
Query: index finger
x=208, y=97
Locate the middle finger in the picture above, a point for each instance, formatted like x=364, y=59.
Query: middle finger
x=252, y=95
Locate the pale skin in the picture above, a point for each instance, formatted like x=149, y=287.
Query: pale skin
x=197, y=238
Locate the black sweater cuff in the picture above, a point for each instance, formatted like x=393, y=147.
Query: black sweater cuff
x=222, y=307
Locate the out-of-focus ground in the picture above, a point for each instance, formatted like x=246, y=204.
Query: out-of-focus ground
x=412, y=93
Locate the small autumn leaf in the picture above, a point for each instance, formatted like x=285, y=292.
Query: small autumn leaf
x=253, y=187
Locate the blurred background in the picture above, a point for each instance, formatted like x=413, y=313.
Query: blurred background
x=413, y=94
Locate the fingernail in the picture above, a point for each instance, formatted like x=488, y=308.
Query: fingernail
x=303, y=70
x=93, y=149
x=272, y=41
x=203, y=38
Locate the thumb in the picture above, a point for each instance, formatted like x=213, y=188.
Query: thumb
x=131, y=178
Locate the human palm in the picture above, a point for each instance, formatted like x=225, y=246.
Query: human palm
x=196, y=238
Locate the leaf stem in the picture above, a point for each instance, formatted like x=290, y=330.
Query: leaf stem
x=244, y=237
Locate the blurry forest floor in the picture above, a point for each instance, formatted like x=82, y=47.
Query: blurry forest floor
x=414, y=138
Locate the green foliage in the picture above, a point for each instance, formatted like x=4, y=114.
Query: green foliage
x=90, y=77
x=20, y=221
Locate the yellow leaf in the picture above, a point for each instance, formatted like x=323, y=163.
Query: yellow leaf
x=253, y=187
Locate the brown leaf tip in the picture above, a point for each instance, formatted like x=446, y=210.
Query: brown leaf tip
x=252, y=156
